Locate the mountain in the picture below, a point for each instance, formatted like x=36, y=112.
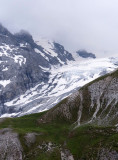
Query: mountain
x=95, y=103
x=24, y=63
x=85, y=54
x=80, y=121
x=36, y=75
x=84, y=126
x=62, y=82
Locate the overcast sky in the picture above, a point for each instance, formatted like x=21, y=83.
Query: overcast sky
x=77, y=24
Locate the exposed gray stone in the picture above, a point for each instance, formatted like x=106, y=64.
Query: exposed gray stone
x=105, y=154
x=66, y=155
x=10, y=147
x=30, y=138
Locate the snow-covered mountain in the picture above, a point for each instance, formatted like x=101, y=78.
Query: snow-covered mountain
x=22, y=63
x=34, y=76
x=62, y=82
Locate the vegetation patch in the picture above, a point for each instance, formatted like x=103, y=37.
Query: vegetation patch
x=83, y=142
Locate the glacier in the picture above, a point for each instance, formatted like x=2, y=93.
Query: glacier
x=63, y=81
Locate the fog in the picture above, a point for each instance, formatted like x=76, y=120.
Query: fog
x=77, y=24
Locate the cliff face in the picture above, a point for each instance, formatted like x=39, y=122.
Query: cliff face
x=97, y=103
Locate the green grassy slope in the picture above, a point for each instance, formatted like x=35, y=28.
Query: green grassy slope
x=84, y=142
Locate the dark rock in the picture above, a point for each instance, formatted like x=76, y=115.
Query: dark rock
x=85, y=54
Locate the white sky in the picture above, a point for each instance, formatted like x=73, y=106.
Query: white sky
x=77, y=24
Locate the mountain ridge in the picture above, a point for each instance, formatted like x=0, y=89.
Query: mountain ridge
x=100, y=95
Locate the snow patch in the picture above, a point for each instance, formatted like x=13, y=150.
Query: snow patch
x=48, y=47
x=5, y=69
x=7, y=51
x=4, y=83
x=45, y=69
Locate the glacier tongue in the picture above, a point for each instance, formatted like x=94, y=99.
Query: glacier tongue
x=62, y=82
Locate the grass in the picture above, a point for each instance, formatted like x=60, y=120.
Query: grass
x=86, y=141
x=83, y=142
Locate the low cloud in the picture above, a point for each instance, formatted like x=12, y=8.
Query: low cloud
x=77, y=24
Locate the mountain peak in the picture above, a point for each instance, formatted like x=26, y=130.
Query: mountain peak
x=85, y=54
x=24, y=36
x=4, y=31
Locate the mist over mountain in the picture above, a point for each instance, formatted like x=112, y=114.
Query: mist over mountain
x=90, y=25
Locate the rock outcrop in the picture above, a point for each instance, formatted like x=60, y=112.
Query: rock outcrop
x=85, y=54
x=10, y=146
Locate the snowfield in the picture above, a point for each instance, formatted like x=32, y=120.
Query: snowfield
x=62, y=82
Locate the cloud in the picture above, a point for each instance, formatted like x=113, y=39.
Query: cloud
x=77, y=24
